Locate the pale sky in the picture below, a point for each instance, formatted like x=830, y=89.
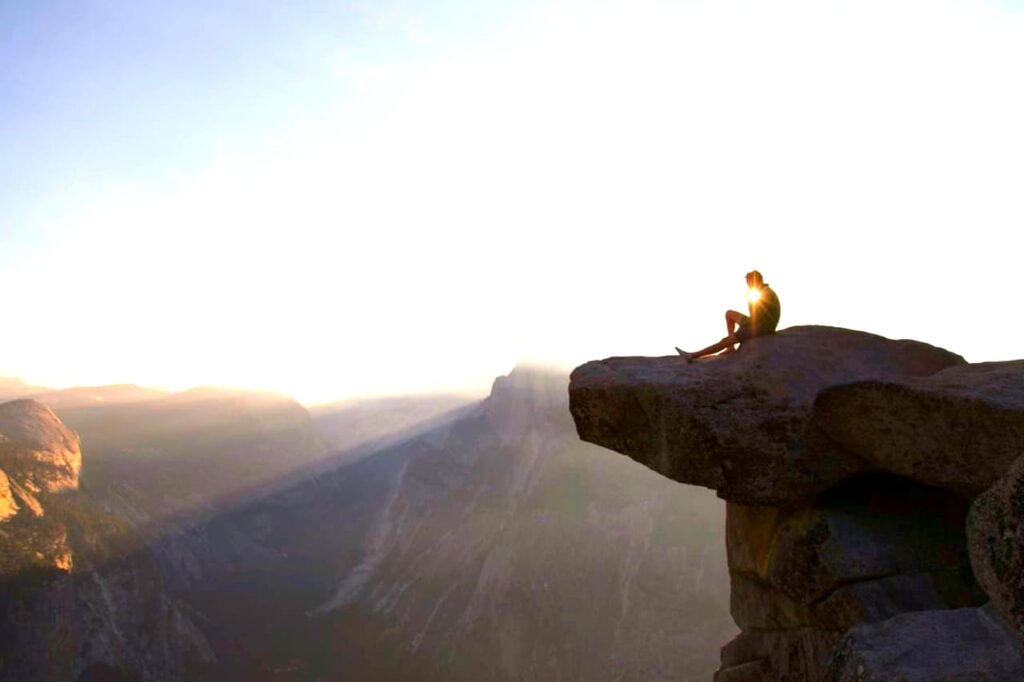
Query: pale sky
x=335, y=199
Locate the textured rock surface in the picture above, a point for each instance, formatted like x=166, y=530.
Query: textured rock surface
x=739, y=424
x=8, y=507
x=960, y=428
x=45, y=453
x=27, y=499
x=39, y=459
x=957, y=645
x=995, y=532
x=809, y=552
x=870, y=549
x=116, y=618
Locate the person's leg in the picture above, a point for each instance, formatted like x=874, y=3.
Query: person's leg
x=733, y=320
x=728, y=342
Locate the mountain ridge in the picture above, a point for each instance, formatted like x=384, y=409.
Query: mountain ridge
x=469, y=547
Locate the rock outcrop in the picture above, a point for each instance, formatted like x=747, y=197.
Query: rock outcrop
x=39, y=457
x=743, y=421
x=74, y=603
x=849, y=463
x=45, y=453
x=959, y=428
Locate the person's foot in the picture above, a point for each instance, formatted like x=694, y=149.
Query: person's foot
x=686, y=356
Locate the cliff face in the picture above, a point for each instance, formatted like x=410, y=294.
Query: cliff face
x=491, y=544
x=39, y=457
x=72, y=599
x=849, y=463
x=495, y=546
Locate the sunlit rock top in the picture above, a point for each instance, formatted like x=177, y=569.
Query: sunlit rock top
x=37, y=446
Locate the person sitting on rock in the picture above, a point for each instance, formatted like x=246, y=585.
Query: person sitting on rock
x=765, y=311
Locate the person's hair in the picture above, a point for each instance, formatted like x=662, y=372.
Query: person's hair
x=754, y=277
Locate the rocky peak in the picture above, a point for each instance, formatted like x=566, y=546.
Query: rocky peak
x=39, y=457
x=525, y=397
x=38, y=448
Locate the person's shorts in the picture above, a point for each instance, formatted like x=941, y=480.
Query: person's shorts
x=747, y=331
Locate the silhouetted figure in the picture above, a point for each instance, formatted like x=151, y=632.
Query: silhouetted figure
x=765, y=311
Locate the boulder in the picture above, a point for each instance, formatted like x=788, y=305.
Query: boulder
x=739, y=423
x=871, y=548
x=930, y=646
x=959, y=428
x=37, y=448
x=995, y=535
x=871, y=601
x=869, y=527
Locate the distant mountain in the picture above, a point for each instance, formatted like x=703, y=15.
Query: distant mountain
x=497, y=547
x=88, y=396
x=444, y=541
x=11, y=389
x=159, y=455
x=357, y=428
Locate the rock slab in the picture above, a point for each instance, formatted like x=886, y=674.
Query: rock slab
x=739, y=423
x=959, y=428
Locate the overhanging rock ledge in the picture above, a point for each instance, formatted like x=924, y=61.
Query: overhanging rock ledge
x=741, y=424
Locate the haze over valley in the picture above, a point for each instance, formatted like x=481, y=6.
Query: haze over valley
x=483, y=541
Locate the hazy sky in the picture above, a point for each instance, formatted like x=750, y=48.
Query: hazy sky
x=344, y=198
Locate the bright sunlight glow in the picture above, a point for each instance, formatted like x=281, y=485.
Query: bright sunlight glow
x=387, y=199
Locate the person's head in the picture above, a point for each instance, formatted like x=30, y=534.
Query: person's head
x=754, y=280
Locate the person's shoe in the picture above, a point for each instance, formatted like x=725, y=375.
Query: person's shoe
x=686, y=356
